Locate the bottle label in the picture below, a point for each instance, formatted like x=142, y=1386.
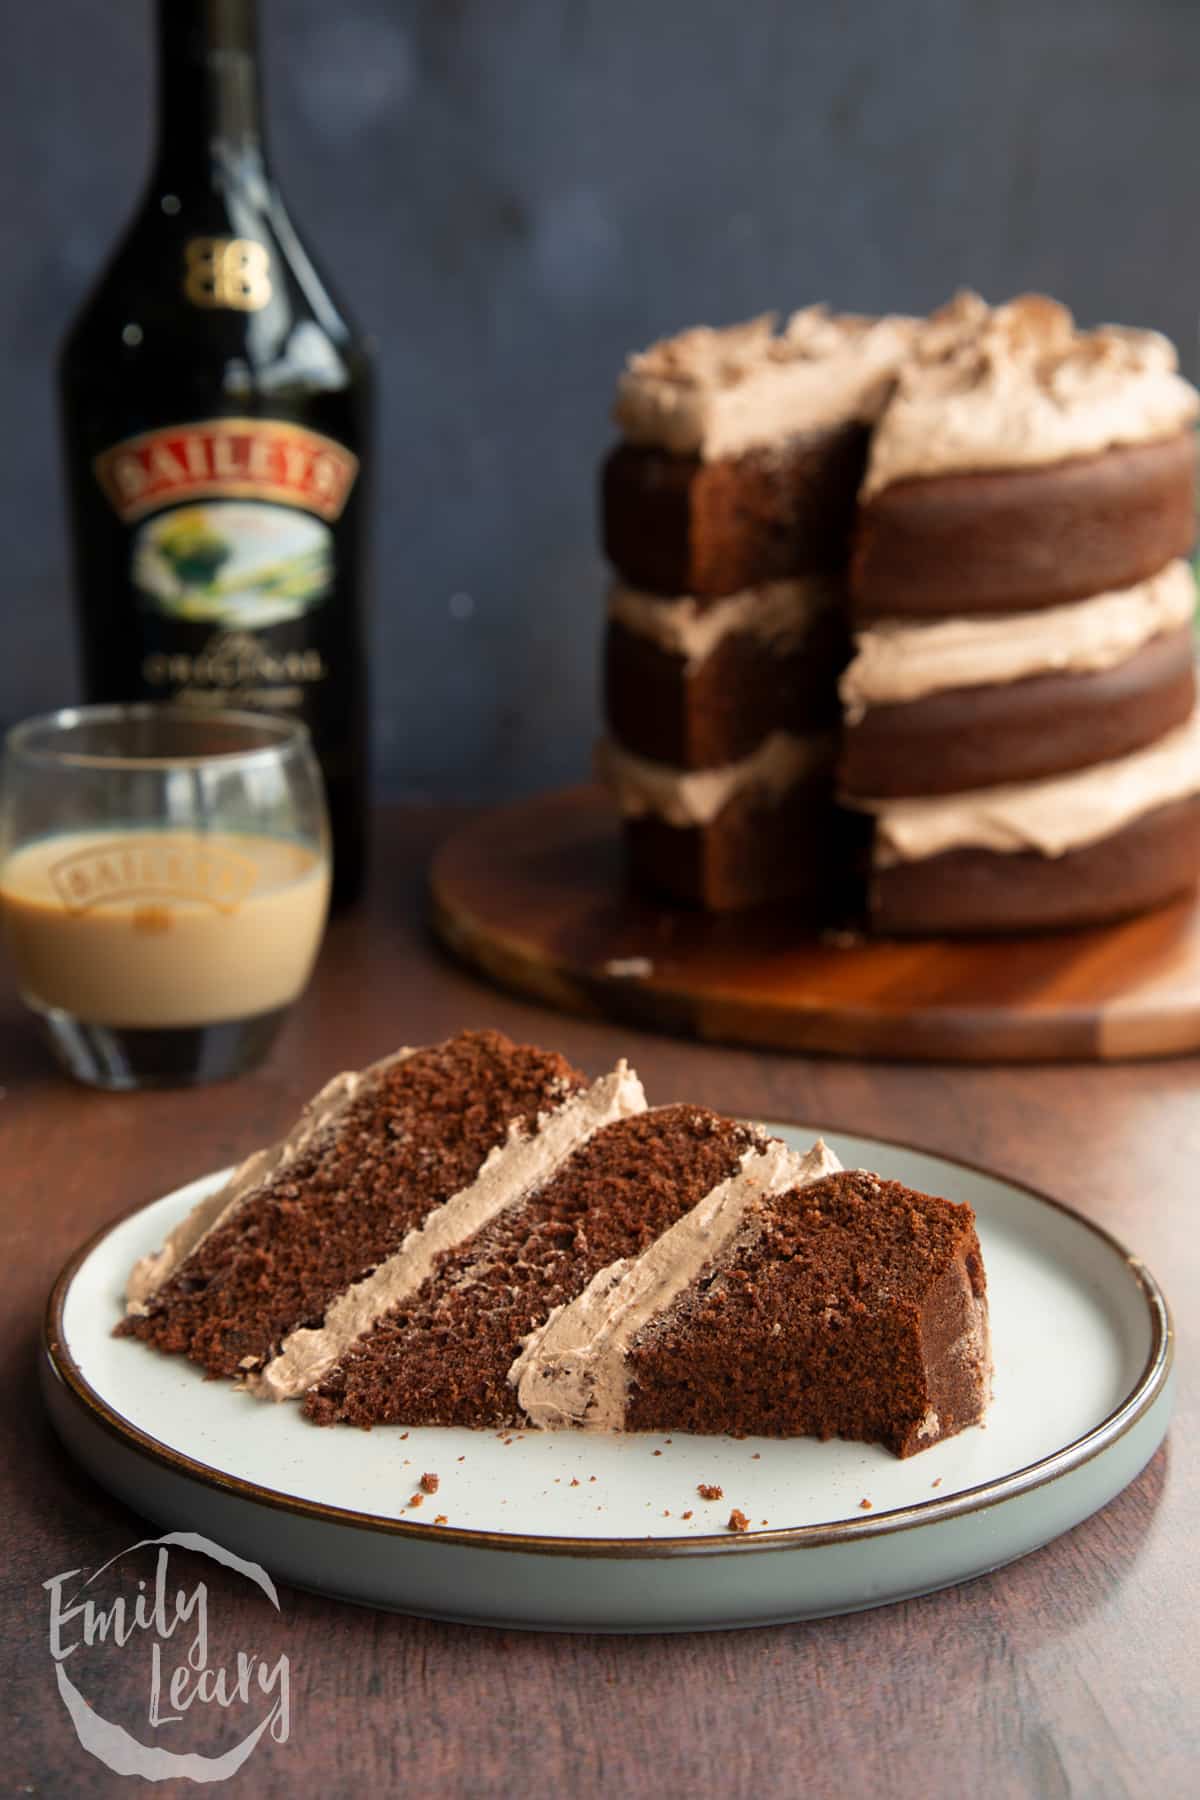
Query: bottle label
x=232, y=558
x=262, y=459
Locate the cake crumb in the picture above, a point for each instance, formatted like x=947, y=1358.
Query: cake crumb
x=416, y=1499
x=656, y=1453
x=707, y=1491
x=938, y=1482
x=441, y=1519
x=757, y=1456
x=462, y=1459
x=574, y=1481
x=429, y=1484
x=591, y=1478
x=865, y=1505
x=738, y=1521
x=687, y=1514
x=629, y=968
x=403, y=1435
x=666, y=1512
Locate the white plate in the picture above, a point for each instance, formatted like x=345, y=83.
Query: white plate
x=575, y=1531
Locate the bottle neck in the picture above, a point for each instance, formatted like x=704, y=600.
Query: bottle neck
x=209, y=115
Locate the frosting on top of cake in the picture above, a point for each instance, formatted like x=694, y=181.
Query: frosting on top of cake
x=778, y=612
x=1020, y=386
x=571, y=1370
x=684, y=797
x=1052, y=816
x=899, y=660
x=724, y=391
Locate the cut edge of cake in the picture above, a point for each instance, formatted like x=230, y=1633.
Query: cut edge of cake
x=152, y=1271
x=512, y=1172
x=571, y=1369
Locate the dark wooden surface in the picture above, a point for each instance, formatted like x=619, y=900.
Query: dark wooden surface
x=533, y=894
x=1074, y=1672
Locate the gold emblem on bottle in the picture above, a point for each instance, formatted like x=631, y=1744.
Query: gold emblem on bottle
x=227, y=272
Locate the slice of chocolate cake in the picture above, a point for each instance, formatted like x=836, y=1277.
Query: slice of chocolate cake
x=844, y=1306
x=443, y=1356
x=472, y=1235
x=421, y=1148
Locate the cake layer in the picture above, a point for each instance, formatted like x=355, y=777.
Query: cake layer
x=764, y=828
x=896, y=661
x=1019, y=386
x=974, y=737
x=718, y=393
x=800, y=847
x=414, y=1133
x=840, y=1306
x=1050, y=816
x=1009, y=542
x=700, y=689
x=643, y=788
x=678, y=525
x=443, y=1357
x=1145, y=864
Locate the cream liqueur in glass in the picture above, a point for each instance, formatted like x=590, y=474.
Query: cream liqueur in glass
x=165, y=941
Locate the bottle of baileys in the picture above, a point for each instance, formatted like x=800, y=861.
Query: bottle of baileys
x=215, y=403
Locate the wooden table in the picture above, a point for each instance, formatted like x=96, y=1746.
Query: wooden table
x=1074, y=1672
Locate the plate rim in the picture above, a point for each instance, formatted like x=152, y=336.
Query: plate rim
x=1142, y=1396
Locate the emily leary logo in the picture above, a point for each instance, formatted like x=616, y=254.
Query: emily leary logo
x=186, y=1686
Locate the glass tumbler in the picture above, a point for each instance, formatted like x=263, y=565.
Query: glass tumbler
x=164, y=883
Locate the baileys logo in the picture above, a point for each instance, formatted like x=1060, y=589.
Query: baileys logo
x=140, y=869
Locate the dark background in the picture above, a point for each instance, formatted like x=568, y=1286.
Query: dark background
x=513, y=193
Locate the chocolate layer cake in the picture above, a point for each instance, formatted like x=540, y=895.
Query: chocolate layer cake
x=404, y=1149
x=1021, y=603
x=843, y=1306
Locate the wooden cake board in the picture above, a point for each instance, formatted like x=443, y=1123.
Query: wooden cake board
x=533, y=895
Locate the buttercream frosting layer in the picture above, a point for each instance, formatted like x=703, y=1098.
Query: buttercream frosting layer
x=722, y=392
x=571, y=1371
x=897, y=661
x=320, y=1115
x=781, y=613
x=1017, y=386
x=513, y=1170
x=697, y=796
x=1052, y=816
